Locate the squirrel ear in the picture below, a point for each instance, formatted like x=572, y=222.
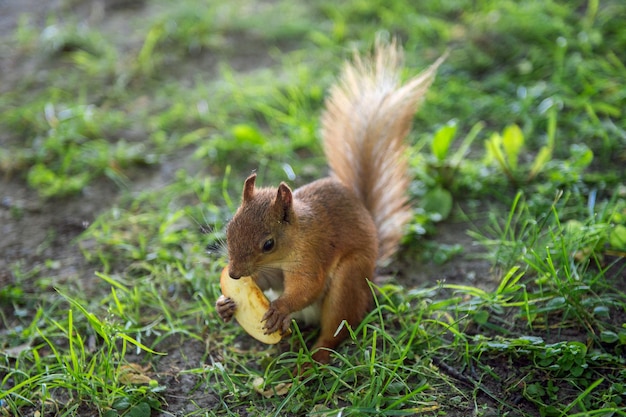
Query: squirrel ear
x=248, y=187
x=284, y=201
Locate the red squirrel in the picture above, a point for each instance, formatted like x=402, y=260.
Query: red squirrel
x=319, y=245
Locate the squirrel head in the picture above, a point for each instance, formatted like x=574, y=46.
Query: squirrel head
x=258, y=235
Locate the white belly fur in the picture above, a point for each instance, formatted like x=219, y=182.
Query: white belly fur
x=309, y=315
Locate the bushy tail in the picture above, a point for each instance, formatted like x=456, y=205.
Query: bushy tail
x=367, y=117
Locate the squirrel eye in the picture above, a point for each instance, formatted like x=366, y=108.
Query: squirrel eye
x=268, y=245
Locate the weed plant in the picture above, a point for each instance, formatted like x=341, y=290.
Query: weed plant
x=522, y=139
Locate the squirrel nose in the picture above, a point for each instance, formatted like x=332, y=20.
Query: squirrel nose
x=233, y=274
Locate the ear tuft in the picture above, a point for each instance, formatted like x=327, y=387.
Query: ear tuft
x=248, y=188
x=284, y=201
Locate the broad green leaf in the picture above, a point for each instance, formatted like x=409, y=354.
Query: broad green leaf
x=512, y=142
x=602, y=311
x=438, y=200
x=617, y=238
x=248, y=134
x=121, y=403
x=442, y=140
x=141, y=409
x=494, y=150
x=581, y=156
x=608, y=336
x=481, y=317
x=535, y=390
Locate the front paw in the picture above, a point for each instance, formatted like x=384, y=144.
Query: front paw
x=225, y=307
x=277, y=318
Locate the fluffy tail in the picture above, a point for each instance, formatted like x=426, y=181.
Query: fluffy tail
x=367, y=117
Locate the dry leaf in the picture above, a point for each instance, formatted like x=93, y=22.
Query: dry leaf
x=133, y=374
x=278, y=390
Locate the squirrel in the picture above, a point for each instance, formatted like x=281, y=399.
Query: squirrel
x=320, y=244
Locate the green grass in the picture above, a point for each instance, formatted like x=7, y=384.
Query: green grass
x=522, y=138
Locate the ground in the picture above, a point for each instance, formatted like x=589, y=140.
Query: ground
x=40, y=234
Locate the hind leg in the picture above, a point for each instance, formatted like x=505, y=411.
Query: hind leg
x=348, y=298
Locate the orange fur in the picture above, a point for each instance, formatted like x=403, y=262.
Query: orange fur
x=320, y=244
x=367, y=117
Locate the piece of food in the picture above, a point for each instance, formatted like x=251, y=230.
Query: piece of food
x=251, y=306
